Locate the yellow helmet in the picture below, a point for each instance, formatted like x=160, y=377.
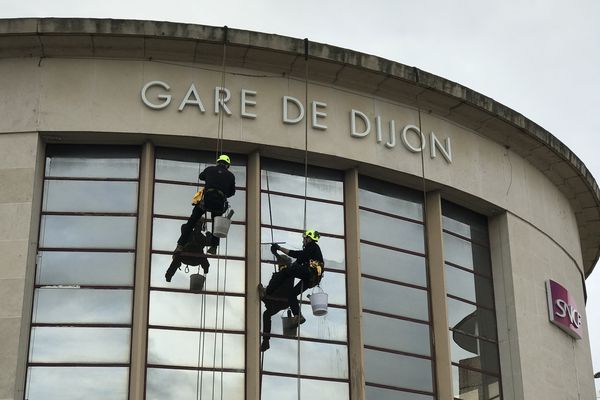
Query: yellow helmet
x=314, y=235
x=224, y=158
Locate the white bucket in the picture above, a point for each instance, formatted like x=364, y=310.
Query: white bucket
x=221, y=227
x=318, y=302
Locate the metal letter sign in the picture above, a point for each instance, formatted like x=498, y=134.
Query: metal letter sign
x=562, y=309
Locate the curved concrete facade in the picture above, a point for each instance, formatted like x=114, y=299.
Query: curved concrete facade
x=136, y=82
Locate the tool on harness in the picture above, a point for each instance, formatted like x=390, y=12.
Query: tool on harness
x=198, y=196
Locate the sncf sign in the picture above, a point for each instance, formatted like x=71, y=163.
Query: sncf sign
x=562, y=309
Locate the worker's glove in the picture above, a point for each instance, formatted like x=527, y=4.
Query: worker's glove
x=274, y=248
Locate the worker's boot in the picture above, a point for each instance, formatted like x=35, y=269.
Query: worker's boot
x=264, y=346
x=297, y=320
x=262, y=292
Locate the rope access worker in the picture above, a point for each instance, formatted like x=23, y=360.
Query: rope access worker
x=219, y=186
x=308, y=267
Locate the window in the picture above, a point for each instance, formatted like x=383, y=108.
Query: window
x=81, y=323
x=196, y=341
x=323, y=343
x=470, y=299
x=397, y=334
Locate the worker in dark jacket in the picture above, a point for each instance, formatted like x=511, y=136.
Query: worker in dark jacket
x=219, y=186
x=308, y=267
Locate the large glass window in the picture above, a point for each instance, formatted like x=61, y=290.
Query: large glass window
x=196, y=341
x=321, y=353
x=83, y=295
x=395, y=293
x=470, y=299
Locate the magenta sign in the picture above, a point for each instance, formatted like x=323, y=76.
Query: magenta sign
x=562, y=309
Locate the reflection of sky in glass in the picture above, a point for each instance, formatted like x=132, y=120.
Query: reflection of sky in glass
x=165, y=233
x=458, y=310
x=485, y=357
x=375, y=393
x=185, y=310
x=90, y=196
x=283, y=388
x=80, y=167
x=289, y=212
x=176, y=200
x=469, y=286
x=317, y=359
x=411, y=302
x=90, y=345
x=173, y=384
x=294, y=184
x=88, y=231
x=99, y=268
x=391, y=205
x=391, y=231
x=477, y=389
x=172, y=347
x=233, y=270
x=391, y=264
x=396, y=334
x=398, y=370
x=54, y=305
x=69, y=383
x=185, y=171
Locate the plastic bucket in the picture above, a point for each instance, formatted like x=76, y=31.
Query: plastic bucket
x=221, y=227
x=290, y=329
x=318, y=302
x=197, y=283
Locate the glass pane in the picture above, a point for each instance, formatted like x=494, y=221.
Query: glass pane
x=172, y=347
x=329, y=327
x=283, y=388
x=86, y=196
x=402, y=207
x=186, y=310
x=93, y=162
x=231, y=271
x=61, y=305
x=391, y=231
x=467, y=254
x=377, y=295
x=471, y=319
x=165, y=233
x=391, y=264
x=184, y=384
x=288, y=177
x=474, y=352
x=88, y=232
x=68, y=383
x=181, y=170
x=332, y=283
x=464, y=222
x=71, y=268
x=396, y=334
x=80, y=345
x=375, y=393
x=176, y=200
x=470, y=385
x=397, y=370
x=469, y=286
x=317, y=359
x=333, y=249
x=289, y=212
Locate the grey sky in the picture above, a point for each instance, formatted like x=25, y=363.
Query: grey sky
x=538, y=57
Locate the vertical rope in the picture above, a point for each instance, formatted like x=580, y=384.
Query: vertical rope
x=223, y=318
x=216, y=327
x=201, y=340
x=220, y=105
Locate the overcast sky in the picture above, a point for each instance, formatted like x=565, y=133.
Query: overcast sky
x=540, y=58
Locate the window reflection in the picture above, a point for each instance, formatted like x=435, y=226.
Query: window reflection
x=398, y=370
x=412, y=303
x=467, y=254
x=60, y=231
x=375, y=393
x=474, y=352
x=392, y=264
x=471, y=287
x=176, y=384
x=469, y=384
x=391, y=231
x=471, y=319
x=284, y=388
x=396, y=334
x=92, y=161
x=83, y=196
x=69, y=383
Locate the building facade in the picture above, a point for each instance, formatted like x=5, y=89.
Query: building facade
x=457, y=234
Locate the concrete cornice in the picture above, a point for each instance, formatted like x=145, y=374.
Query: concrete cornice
x=152, y=40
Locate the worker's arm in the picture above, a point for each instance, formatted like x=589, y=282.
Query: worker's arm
x=202, y=175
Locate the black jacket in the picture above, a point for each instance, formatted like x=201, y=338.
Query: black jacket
x=311, y=251
x=220, y=178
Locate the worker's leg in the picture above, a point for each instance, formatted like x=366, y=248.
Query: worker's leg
x=293, y=297
x=188, y=227
x=175, y=264
x=278, y=278
x=266, y=329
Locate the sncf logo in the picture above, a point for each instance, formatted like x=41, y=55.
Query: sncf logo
x=562, y=309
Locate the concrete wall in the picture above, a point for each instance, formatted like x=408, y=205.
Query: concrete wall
x=20, y=169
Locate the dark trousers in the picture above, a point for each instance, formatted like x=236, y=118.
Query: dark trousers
x=295, y=270
x=188, y=227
